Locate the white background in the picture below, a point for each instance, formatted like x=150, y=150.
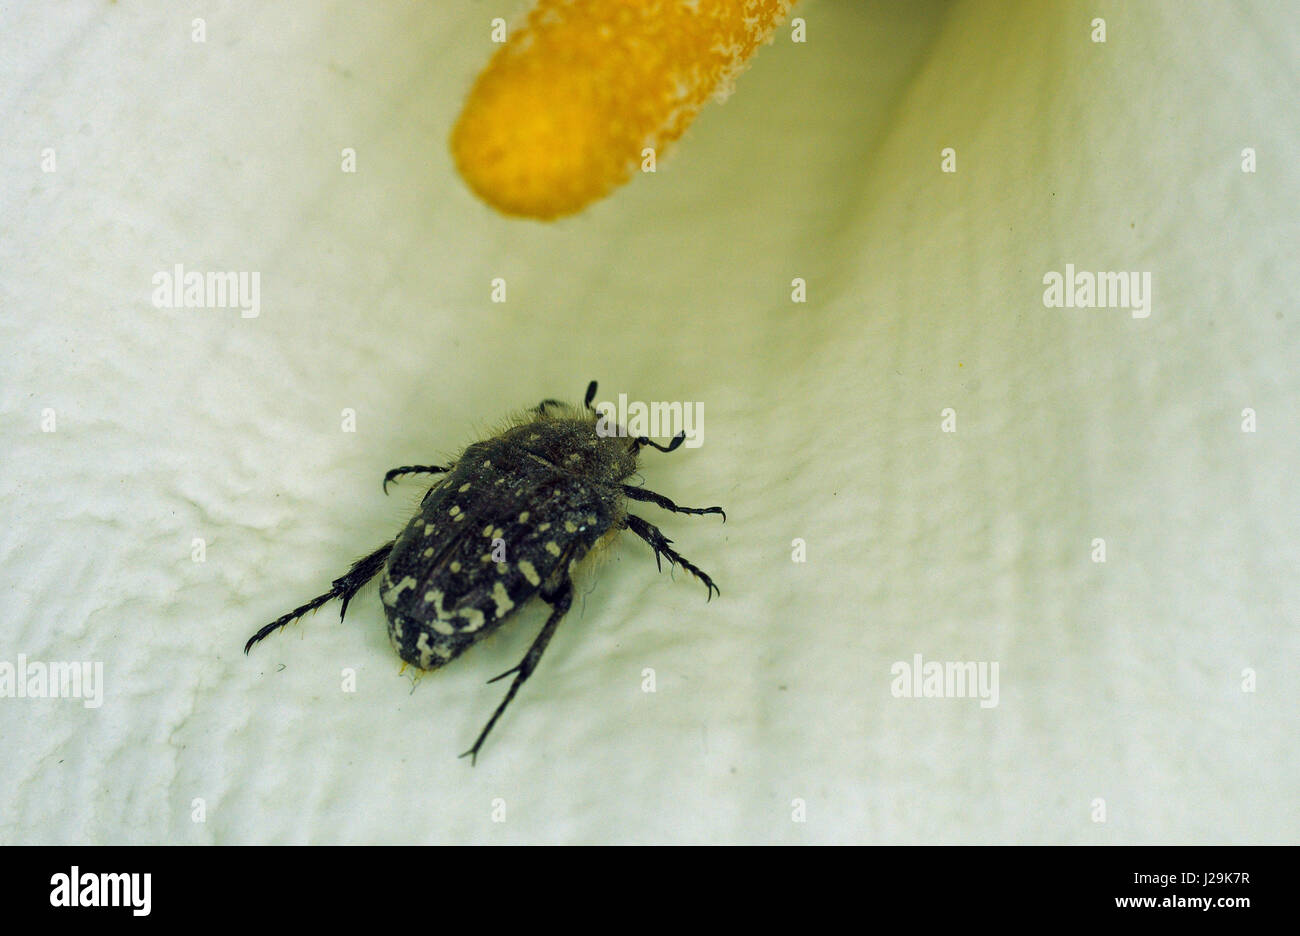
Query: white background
x=1119, y=681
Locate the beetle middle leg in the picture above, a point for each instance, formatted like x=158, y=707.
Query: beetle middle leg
x=413, y=469
x=559, y=600
x=662, y=546
x=343, y=587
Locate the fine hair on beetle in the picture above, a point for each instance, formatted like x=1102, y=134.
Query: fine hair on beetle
x=509, y=519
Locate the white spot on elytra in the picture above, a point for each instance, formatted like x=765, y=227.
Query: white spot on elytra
x=391, y=595
x=434, y=597
x=475, y=618
x=426, y=652
x=528, y=572
x=552, y=548
x=503, y=601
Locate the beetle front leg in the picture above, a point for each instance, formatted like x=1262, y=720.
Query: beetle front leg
x=641, y=494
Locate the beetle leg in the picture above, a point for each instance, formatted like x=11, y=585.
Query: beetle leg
x=641, y=494
x=343, y=587
x=559, y=601
x=662, y=547
x=412, y=469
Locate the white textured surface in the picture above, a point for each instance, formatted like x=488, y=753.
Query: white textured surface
x=1119, y=681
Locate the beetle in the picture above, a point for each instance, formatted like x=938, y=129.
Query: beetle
x=509, y=520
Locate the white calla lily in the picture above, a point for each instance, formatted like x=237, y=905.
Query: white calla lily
x=804, y=265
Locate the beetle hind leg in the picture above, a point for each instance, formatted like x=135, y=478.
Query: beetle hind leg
x=662, y=546
x=344, y=588
x=560, y=600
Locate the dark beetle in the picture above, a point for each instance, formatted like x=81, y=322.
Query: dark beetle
x=511, y=518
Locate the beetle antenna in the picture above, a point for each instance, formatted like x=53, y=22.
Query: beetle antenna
x=646, y=440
